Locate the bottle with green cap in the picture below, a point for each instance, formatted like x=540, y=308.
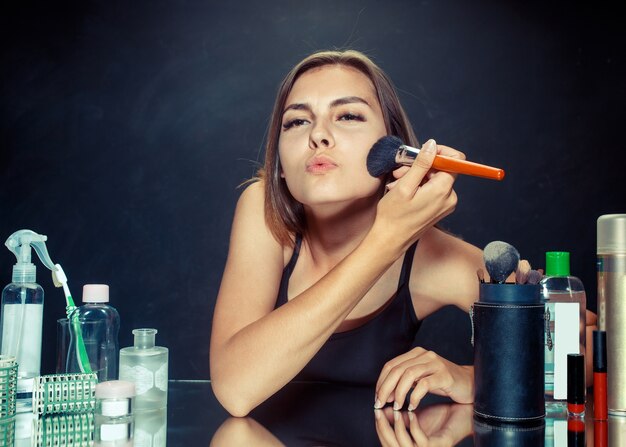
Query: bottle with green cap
x=566, y=303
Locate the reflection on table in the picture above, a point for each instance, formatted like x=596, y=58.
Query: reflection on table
x=309, y=414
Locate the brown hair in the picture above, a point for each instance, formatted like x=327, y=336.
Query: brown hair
x=284, y=214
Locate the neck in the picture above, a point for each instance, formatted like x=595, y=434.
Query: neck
x=334, y=231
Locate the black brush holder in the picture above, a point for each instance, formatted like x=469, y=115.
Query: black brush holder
x=508, y=335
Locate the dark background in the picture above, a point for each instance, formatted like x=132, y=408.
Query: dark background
x=127, y=126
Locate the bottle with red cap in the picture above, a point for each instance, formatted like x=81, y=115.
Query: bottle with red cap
x=100, y=325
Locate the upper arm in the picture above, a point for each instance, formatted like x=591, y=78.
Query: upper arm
x=444, y=272
x=253, y=269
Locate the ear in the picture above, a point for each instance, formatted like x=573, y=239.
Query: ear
x=282, y=174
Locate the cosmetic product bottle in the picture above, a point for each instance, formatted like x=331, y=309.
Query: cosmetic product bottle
x=611, y=263
x=566, y=302
x=22, y=313
x=146, y=366
x=114, y=410
x=99, y=325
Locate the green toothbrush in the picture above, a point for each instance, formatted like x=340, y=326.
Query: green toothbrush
x=60, y=280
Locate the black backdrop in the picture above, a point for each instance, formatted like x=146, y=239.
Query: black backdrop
x=126, y=127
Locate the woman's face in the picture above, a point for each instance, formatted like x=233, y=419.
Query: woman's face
x=330, y=121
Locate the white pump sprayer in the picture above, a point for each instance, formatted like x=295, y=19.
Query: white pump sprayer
x=22, y=312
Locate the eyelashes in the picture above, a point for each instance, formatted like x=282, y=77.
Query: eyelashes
x=297, y=122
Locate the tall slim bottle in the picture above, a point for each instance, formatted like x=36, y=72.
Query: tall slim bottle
x=611, y=251
x=146, y=365
x=566, y=304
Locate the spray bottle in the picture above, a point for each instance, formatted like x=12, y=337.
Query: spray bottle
x=22, y=312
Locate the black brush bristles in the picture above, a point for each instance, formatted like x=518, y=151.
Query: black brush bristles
x=382, y=156
x=501, y=259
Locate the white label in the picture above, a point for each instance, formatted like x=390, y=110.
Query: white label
x=114, y=432
x=141, y=376
x=566, y=341
x=114, y=407
x=21, y=336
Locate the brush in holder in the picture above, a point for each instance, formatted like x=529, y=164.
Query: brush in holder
x=508, y=324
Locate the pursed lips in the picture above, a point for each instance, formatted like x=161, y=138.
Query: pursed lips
x=320, y=165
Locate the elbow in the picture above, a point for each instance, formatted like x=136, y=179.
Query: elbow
x=230, y=397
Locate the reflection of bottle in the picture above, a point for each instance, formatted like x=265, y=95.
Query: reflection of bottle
x=565, y=305
x=99, y=324
x=22, y=312
x=146, y=365
x=150, y=429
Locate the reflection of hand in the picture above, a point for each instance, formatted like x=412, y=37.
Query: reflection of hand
x=434, y=426
x=243, y=431
x=426, y=372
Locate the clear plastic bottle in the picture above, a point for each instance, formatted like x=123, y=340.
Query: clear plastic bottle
x=566, y=304
x=22, y=313
x=146, y=365
x=99, y=324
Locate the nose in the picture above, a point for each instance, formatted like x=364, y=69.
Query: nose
x=320, y=138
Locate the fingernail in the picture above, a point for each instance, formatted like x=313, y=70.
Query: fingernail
x=378, y=404
x=410, y=407
x=396, y=406
x=377, y=414
x=430, y=147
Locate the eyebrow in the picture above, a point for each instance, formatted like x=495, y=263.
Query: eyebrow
x=337, y=102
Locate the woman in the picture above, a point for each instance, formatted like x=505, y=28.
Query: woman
x=331, y=270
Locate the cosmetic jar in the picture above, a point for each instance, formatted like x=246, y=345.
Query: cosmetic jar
x=114, y=410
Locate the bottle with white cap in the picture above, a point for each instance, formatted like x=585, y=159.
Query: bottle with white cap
x=100, y=324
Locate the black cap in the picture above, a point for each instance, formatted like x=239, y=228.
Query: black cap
x=599, y=351
x=575, y=378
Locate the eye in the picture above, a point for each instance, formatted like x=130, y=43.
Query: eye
x=296, y=122
x=351, y=117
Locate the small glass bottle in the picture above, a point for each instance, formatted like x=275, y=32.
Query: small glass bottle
x=146, y=366
x=99, y=325
x=566, y=302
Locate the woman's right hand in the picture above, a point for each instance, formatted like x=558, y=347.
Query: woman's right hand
x=419, y=198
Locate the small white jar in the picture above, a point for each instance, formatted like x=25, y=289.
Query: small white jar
x=114, y=410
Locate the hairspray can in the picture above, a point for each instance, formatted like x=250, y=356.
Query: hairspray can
x=611, y=252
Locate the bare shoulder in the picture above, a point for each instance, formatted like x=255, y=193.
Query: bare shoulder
x=444, y=272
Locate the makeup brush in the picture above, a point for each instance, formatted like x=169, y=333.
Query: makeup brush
x=389, y=152
x=501, y=259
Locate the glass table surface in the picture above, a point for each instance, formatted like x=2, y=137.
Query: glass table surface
x=315, y=414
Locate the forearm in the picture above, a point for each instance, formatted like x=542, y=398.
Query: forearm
x=262, y=357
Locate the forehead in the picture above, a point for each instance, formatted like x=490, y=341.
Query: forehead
x=332, y=81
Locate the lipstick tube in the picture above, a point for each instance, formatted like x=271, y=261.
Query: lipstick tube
x=599, y=376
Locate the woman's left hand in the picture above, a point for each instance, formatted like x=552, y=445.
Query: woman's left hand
x=424, y=371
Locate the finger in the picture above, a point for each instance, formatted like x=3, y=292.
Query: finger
x=450, y=152
x=392, y=372
x=385, y=433
x=437, y=381
x=399, y=172
x=399, y=381
x=395, y=362
x=409, y=183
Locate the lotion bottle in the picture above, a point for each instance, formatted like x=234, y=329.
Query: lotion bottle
x=566, y=303
x=146, y=365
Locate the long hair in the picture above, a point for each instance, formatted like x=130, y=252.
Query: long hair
x=284, y=214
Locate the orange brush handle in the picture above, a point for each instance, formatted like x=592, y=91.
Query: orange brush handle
x=455, y=165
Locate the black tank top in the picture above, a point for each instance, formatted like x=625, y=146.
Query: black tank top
x=358, y=355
